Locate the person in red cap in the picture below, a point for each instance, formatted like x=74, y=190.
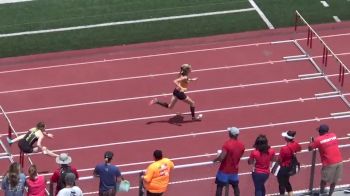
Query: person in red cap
x=285, y=160
x=332, y=166
x=181, y=84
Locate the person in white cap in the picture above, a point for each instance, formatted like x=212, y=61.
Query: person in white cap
x=285, y=160
x=181, y=86
x=230, y=155
x=59, y=175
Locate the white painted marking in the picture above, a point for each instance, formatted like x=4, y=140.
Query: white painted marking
x=324, y=3
x=12, y=1
x=126, y=22
x=336, y=18
x=261, y=14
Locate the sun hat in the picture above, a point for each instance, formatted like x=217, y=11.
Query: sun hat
x=233, y=130
x=63, y=159
x=288, y=134
x=323, y=128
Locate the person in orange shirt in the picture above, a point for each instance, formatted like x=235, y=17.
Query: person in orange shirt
x=179, y=92
x=156, y=178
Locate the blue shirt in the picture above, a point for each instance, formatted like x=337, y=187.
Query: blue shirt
x=14, y=191
x=108, y=176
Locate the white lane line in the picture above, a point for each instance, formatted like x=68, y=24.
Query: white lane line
x=156, y=55
x=336, y=18
x=157, y=95
x=170, y=115
x=324, y=3
x=193, y=134
x=149, y=76
x=261, y=14
x=126, y=22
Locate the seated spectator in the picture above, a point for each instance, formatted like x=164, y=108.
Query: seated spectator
x=14, y=181
x=261, y=157
x=36, y=184
x=70, y=189
x=109, y=176
x=59, y=175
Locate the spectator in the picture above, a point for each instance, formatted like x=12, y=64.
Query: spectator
x=285, y=160
x=156, y=178
x=59, y=175
x=230, y=155
x=70, y=189
x=332, y=166
x=261, y=158
x=26, y=142
x=14, y=181
x=36, y=184
x=109, y=176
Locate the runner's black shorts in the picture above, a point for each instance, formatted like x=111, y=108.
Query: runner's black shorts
x=178, y=94
x=25, y=146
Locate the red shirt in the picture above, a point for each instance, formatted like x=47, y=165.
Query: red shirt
x=327, y=144
x=287, y=151
x=56, y=176
x=262, y=160
x=234, y=150
x=36, y=187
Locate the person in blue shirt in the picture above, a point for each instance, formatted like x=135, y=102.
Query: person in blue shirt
x=109, y=176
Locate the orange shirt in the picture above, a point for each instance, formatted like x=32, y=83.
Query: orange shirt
x=156, y=179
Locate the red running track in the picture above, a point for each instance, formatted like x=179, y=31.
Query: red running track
x=96, y=100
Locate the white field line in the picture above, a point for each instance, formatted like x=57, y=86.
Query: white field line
x=126, y=22
x=324, y=3
x=148, y=76
x=261, y=14
x=12, y=1
x=336, y=18
x=157, y=55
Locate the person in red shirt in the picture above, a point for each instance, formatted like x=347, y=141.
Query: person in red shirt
x=36, y=184
x=332, y=166
x=284, y=160
x=63, y=160
x=261, y=158
x=230, y=155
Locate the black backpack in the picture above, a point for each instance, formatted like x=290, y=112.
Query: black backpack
x=63, y=172
x=294, y=166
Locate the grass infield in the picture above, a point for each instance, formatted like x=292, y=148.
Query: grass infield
x=43, y=14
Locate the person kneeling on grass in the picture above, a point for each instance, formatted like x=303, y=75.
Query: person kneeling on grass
x=32, y=140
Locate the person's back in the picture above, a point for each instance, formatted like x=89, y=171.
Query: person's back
x=36, y=187
x=329, y=149
x=36, y=184
x=70, y=189
x=14, y=181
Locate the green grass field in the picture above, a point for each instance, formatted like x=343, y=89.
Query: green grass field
x=44, y=14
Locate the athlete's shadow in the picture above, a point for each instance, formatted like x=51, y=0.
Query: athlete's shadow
x=177, y=120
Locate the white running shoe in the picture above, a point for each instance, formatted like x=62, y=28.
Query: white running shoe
x=153, y=101
x=198, y=118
